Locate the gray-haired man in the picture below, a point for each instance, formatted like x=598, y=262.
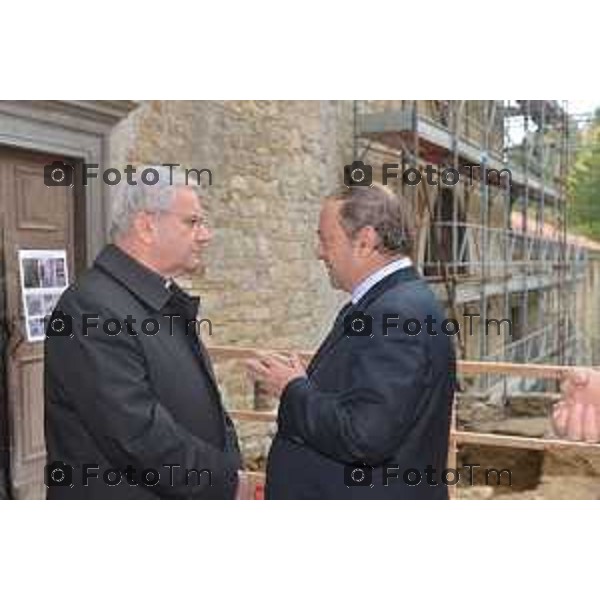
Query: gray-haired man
x=132, y=407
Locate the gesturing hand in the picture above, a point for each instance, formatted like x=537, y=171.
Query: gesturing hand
x=273, y=372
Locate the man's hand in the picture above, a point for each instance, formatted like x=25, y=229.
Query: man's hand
x=577, y=415
x=274, y=372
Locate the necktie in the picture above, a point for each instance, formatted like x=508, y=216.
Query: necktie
x=332, y=335
x=346, y=309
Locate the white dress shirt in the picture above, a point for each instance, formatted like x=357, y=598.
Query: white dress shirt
x=366, y=284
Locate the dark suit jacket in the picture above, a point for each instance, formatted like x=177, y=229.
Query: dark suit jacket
x=135, y=401
x=374, y=401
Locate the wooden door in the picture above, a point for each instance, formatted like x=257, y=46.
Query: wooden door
x=36, y=217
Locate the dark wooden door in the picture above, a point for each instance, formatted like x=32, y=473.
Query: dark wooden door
x=33, y=217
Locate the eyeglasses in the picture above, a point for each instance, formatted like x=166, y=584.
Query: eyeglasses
x=192, y=221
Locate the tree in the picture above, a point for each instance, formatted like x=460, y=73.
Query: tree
x=584, y=182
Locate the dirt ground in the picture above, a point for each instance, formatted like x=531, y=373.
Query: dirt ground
x=552, y=475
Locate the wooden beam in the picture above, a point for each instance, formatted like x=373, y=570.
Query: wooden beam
x=537, y=396
x=452, y=452
x=243, y=353
x=464, y=367
x=514, y=369
x=517, y=442
x=253, y=415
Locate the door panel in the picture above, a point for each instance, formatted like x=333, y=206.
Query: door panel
x=34, y=217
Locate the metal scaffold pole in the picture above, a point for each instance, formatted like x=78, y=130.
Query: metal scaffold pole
x=563, y=264
x=507, y=245
x=484, y=221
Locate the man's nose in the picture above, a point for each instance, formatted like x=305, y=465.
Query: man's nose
x=204, y=234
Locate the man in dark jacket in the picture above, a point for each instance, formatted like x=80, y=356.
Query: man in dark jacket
x=370, y=417
x=132, y=407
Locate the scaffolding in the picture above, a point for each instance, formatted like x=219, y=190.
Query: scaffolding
x=501, y=234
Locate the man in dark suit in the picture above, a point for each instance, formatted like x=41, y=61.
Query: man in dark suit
x=370, y=417
x=132, y=407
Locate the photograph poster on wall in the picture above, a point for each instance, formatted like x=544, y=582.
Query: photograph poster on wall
x=44, y=277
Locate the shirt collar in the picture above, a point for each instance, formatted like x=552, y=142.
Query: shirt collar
x=149, y=286
x=366, y=284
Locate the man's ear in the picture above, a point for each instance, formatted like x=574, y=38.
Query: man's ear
x=366, y=241
x=145, y=226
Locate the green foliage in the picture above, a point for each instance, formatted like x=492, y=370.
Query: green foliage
x=584, y=182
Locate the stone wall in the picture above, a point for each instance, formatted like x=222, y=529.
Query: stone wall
x=271, y=164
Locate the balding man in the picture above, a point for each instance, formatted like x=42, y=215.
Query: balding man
x=370, y=417
x=132, y=407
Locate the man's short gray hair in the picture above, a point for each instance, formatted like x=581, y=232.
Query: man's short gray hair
x=380, y=208
x=146, y=196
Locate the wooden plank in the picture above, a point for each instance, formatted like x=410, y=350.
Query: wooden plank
x=244, y=353
x=463, y=367
x=541, y=396
x=514, y=369
x=253, y=415
x=452, y=452
x=517, y=442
